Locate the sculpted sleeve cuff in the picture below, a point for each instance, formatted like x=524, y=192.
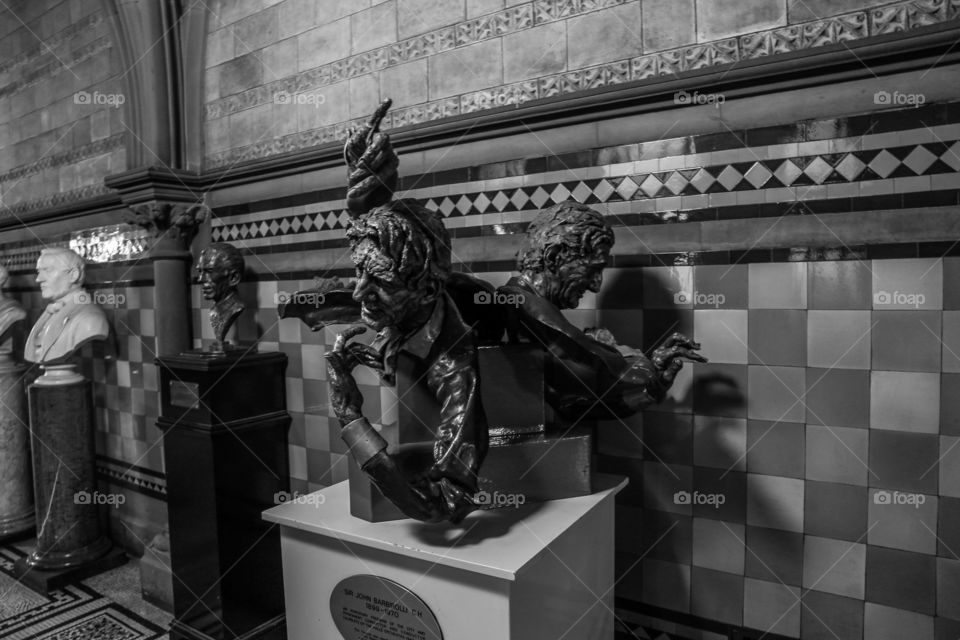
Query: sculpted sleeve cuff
x=363, y=441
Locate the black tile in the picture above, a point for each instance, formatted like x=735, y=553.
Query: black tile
x=950, y=405
x=667, y=536
x=838, y=397
x=828, y=617
x=669, y=437
x=948, y=527
x=781, y=134
x=774, y=555
x=904, y=461
x=871, y=203
x=719, y=141
x=835, y=511
x=775, y=448
x=892, y=251
x=901, y=579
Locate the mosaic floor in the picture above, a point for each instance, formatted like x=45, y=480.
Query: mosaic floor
x=106, y=607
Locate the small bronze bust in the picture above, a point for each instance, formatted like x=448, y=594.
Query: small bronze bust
x=562, y=257
x=219, y=271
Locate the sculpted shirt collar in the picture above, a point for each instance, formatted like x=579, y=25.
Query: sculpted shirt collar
x=388, y=342
x=77, y=296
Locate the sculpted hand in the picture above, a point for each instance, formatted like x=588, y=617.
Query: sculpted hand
x=371, y=164
x=344, y=394
x=668, y=357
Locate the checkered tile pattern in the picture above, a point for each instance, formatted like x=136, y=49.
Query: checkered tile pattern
x=814, y=456
x=773, y=171
x=830, y=390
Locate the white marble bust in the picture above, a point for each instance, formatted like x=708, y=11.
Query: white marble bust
x=71, y=318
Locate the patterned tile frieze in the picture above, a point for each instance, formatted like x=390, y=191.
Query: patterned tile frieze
x=830, y=31
x=89, y=150
x=684, y=188
x=28, y=54
x=483, y=28
x=513, y=19
x=57, y=199
x=55, y=67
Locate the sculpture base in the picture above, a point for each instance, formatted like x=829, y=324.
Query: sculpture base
x=17, y=514
x=45, y=581
x=273, y=629
x=224, y=424
x=17, y=528
x=536, y=466
x=506, y=574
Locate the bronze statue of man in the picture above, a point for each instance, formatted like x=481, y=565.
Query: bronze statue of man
x=402, y=255
x=562, y=257
x=219, y=271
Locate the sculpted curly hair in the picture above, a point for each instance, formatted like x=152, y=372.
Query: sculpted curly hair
x=412, y=236
x=576, y=228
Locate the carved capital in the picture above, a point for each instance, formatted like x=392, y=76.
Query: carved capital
x=174, y=221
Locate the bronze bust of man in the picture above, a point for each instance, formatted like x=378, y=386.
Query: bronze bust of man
x=562, y=257
x=402, y=254
x=219, y=271
x=71, y=318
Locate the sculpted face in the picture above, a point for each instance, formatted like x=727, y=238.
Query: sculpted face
x=574, y=277
x=216, y=279
x=55, y=278
x=384, y=298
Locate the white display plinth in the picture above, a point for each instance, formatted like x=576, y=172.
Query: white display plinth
x=538, y=572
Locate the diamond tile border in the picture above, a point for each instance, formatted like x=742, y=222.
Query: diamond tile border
x=683, y=189
x=830, y=31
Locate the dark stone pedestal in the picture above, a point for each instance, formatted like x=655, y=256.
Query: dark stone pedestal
x=224, y=424
x=46, y=581
x=17, y=518
x=531, y=453
x=71, y=538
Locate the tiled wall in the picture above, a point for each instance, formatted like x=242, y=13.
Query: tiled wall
x=815, y=454
x=817, y=448
x=61, y=103
x=285, y=76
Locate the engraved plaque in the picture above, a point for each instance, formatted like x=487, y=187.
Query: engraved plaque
x=184, y=394
x=366, y=607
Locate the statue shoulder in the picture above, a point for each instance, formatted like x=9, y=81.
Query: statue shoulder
x=90, y=317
